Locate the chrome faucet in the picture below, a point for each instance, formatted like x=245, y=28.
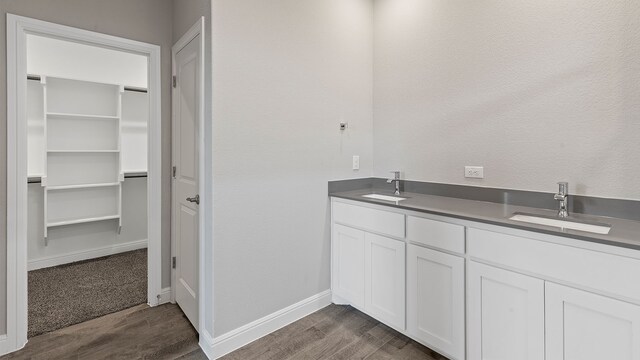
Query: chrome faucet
x=562, y=196
x=396, y=178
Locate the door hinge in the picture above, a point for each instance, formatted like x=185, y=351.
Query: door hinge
x=174, y=172
x=174, y=81
x=173, y=262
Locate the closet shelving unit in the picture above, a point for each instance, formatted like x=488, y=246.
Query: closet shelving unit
x=83, y=174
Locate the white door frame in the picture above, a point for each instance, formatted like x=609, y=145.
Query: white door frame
x=195, y=30
x=17, y=29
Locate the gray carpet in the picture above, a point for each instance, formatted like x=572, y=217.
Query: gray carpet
x=73, y=293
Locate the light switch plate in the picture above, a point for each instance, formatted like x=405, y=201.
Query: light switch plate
x=474, y=172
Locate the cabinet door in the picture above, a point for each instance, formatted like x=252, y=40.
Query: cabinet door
x=435, y=300
x=348, y=265
x=586, y=326
x=506, y=315
x=384, y=280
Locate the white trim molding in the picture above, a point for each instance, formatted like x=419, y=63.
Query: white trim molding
x=4, y=344
x=17, y=29
x=49, y=261
x=219, y=346
x=165, y=296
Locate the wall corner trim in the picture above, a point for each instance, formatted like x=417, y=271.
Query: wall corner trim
x=217, y=347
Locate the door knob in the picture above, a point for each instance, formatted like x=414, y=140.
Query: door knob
x=195, y=199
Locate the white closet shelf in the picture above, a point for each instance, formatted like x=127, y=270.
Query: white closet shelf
x=82, y=220
x=82, y=137
x=68, y=116
x=83, y=151
x=82, y=186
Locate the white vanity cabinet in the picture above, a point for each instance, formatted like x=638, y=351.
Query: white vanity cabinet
x=506, y=315
x=347, y=253
x=585, y=326
x=368, y=264
x=477, y=291
x=435, y=300
x=436, y=284
x=385, y=279
x=524, y=313
x=382, y=266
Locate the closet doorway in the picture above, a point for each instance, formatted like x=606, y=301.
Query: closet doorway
x=83, y=171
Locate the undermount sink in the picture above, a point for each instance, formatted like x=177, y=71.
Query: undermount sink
x=384, y=197
x=597, y=228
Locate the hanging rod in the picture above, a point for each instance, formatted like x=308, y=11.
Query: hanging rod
x=135, y=175
x=126, y=88
x=135, y=89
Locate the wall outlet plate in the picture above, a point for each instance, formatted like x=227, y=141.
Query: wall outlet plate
x=356, y=162
x=474, y=172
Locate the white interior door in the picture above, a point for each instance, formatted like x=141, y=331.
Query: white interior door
x=185, y=210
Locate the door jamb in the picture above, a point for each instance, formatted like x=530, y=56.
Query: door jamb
x=17, y=29
x=197, y=29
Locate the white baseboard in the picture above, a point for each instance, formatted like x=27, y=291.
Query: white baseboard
x=217, y=347
x=165, y=296
x=5, y=347
x=206, y=344
x=9, y=344
x=35, y=264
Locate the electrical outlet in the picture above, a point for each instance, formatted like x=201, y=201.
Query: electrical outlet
x=475, y=172
x=356, y=162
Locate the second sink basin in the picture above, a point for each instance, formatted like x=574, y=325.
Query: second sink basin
x=596, y=228
x=384, y=197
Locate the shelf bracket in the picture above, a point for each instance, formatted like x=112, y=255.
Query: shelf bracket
x=119, y=229
x=46, y=241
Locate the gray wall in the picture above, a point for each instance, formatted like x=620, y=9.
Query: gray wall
x=143, y=20
x=186, y=13
x=534, y=91
x=285, y=73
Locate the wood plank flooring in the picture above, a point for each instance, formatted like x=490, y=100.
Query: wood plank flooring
x=162, y=332
x=335, y=333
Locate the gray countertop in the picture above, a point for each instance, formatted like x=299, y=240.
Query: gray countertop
x=623, y=233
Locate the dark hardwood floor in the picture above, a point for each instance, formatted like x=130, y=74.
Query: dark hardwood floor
x=163, y=332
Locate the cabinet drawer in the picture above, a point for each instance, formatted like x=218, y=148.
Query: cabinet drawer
x=383, y=222
x=612, y=275
x=434, y=233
